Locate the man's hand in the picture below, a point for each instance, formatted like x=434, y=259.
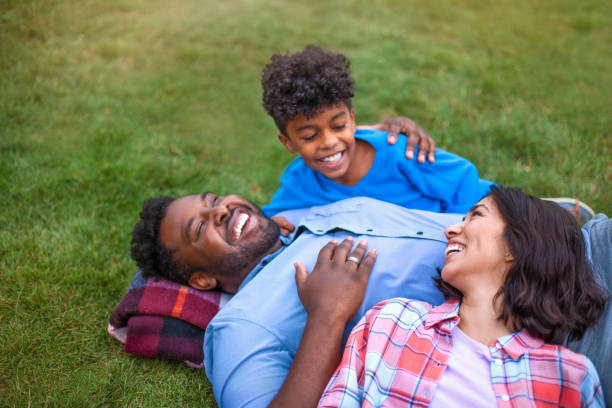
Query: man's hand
x=416, y=137
x=331, y=295
x=285, y=226
x=337, y=284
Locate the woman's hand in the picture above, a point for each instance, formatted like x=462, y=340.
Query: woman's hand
x=335, y=288
x=416, y=137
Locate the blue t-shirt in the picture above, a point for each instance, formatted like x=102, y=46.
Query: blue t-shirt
x=450, y=184
x=250, y=344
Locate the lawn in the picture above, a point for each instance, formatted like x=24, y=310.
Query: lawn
x=104, y=103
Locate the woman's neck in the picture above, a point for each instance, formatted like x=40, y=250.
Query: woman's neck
x=479, y=319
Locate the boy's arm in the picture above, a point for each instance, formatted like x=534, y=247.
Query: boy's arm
x=417, y=137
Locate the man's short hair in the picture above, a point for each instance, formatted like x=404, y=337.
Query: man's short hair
x=151, y=256
x=304, y=83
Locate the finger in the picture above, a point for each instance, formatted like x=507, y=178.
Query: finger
x=326, y=253
x=432, y=151
x=411, y=144
x=394, y=130
x=358, y=252
x=368, y=262
x=301, y=273
x=341, y=252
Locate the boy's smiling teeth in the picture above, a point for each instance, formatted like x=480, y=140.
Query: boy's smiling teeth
x=332, y=158
x=240, y=222
x=452, y=248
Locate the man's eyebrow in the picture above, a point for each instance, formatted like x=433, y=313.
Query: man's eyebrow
x=203, y=195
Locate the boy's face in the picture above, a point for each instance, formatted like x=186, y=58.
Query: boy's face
x=325, y=141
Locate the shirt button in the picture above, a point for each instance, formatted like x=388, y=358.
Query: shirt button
x=498, y=362
x=505, y=397
x=419, y=232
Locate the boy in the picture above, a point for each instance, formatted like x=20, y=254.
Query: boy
x=308, y=94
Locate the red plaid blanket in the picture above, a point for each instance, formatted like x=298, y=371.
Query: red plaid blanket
x=160, y=318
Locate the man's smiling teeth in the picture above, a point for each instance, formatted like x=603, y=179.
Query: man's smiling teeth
x=333, y=158
x=242, y=219
x=453, y=248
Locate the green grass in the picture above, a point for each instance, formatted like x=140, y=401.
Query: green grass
x=106, y=103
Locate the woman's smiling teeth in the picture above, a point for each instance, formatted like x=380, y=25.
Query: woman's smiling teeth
x=452, y=248
x=240, y=222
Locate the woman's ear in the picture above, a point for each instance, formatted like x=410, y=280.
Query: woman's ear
x=509, y=257
x=287, y=143
x=202, y=281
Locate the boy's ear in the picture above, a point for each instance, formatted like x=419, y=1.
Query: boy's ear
x=202, y=281
x=287, y=143
x=353, y=119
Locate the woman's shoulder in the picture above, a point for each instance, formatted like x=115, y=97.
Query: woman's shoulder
x=401, y=309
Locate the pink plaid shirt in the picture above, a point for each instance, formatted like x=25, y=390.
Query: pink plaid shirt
x=398, y=352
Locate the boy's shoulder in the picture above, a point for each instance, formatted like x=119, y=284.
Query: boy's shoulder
x=377, y=138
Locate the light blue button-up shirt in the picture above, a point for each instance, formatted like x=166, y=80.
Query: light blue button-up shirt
x=250, y=344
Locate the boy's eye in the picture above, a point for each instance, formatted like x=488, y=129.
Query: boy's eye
x=309, y=137
x=339, y=127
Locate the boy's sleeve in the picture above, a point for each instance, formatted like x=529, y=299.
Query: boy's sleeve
x=299, y=189
x=450, y=179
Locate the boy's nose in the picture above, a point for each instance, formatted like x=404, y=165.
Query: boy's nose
x=329, y=140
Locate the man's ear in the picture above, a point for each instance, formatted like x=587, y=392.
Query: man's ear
x=202, y=281
x=287, y=143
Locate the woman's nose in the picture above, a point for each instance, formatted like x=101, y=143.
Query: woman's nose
x=452, y=230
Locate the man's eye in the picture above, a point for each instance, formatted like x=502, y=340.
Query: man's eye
x=199, y=228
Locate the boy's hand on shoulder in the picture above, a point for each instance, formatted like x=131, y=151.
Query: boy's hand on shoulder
x=285, y=226
x=415, y=134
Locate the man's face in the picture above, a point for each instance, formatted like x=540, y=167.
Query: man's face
x=224, y=237
x=325, y=141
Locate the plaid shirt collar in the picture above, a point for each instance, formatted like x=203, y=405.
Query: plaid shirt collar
x=446, y=316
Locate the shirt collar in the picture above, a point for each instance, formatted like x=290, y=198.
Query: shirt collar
x=446, y=317
x=518, y=343
x=264, y=261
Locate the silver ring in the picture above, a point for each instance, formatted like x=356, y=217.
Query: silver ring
x=353, y=259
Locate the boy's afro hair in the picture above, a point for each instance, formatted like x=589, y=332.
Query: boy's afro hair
x=304, y=83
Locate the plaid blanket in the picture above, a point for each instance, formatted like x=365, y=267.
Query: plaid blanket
x=160, y=318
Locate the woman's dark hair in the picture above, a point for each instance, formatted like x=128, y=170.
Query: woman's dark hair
x=550, y=289
x=153, y=258
x=304, y=83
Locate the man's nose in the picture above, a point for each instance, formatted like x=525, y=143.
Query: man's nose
x=217, y=213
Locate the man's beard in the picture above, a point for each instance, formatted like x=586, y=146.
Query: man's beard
x=244, y=256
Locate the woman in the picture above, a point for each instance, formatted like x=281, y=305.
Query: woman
x=518, y=284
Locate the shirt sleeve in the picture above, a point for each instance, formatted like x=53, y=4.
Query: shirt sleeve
x=345, y=388
x=247, y=371
x=291, y=194
x=451, y=179
x=590, y=388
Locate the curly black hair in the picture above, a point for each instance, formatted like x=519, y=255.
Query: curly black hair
x=550, y=289
x=304, y=83
x=152, y=257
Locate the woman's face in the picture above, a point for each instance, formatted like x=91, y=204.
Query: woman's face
x=476, y=253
